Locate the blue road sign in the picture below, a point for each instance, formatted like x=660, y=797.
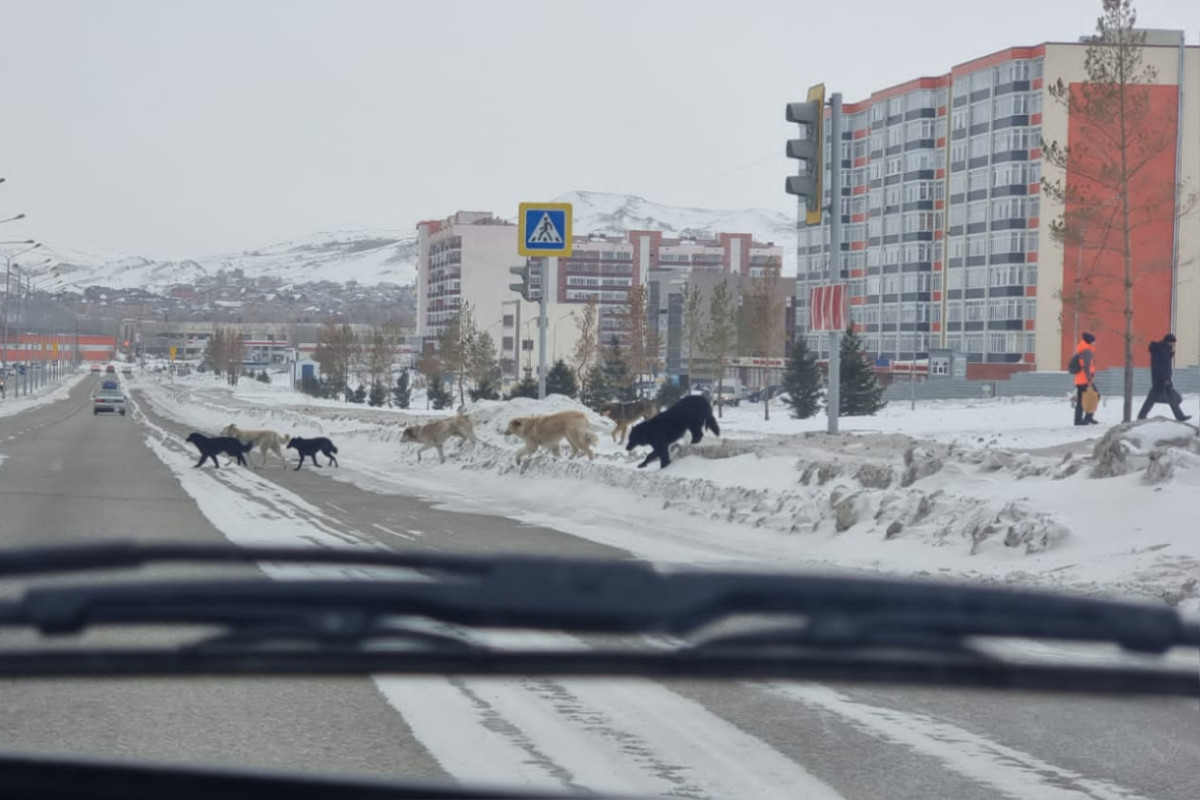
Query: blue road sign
x=545, y=229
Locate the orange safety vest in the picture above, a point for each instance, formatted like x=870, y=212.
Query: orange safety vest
x=1084, y=377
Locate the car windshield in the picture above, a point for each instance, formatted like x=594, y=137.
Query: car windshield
x=668, y=399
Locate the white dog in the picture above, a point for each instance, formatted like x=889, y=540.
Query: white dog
x=264, y=440
x=435, y=434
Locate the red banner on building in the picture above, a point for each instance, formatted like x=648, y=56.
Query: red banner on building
x=828, y=308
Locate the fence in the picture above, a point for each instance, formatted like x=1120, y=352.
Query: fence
x=1110, y=382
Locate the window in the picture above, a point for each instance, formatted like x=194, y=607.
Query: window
x=979, y=146
x=878, y=112
x=918, y=190
x=875, y=227
x=895, y=136
x=1010, y=139
x=954, y=313
x=981, y=113
x=959, y=119
x=895, y=165
x=922, y=98
x=1034, y=104
x=958, y=215
x=976, y=277
x=916, y=251
x=918, y=221
x=919, y=159
x=1012, y=71
x=891, y=224
x=961, y=87
x=872, y=285
x=874, y=256
x=958, y=151
x=1011, y=104
x=877, y=139
x=973, y=310
x=875, y=170
x=1014, y=173
x=955, y=278
x=977, y=245
x=918, y=129
x=981, y=79
x=895, y=106
x=891, y=254
x=957, y=247
x=958, y=183
x=875, y=199
x=891, y=196
x=978, y=179
x=977, y=212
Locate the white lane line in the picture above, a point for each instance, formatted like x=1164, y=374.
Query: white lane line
x=1008, y=770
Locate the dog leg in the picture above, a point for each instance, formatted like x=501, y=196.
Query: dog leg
x=200, y=463
x=332, y=459
x=441, y=455
x=664, y=457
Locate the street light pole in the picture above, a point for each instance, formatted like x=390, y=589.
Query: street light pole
x=8, y=263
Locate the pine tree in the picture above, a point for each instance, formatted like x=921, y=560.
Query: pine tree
x=861, y=394
x=484, y=389
x=802, y=382
x=438, y=396
x=596, y=390
x=402, y=391
x=561, y=380
x=358, y=395
x=616, y=372
x=527, y=387
x=378, y=395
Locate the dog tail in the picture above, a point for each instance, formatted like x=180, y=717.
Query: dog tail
x=711, y=424
x=246, y=446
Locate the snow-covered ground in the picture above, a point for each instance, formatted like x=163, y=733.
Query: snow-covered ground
x=52, y=392
x=1002, y=490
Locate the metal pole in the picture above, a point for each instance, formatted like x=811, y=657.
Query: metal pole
x=834, y=400
x=548, y=264
x=7, y=287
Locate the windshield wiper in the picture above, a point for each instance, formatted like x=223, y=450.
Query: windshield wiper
x=436, y=615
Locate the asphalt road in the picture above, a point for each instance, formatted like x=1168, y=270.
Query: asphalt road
x=66, y=476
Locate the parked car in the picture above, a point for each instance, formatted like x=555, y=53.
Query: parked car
x=95, y=367
x=108, y=400
x=770, y=392
x=731, y=394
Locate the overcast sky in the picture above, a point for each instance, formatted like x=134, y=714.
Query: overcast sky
x=178, y=128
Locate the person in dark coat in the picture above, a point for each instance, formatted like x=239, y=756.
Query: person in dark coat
x=1161, y=388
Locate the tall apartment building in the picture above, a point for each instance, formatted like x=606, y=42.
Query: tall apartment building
x=464, y=257
x=947, y=237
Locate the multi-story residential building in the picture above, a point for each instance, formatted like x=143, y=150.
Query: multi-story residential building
x=463, y=258
x=946, y=234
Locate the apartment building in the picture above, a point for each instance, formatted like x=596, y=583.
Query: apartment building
x=947, y=236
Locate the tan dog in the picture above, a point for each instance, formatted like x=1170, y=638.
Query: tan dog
x=549, y=430
x=264, y=440
x=435, y=434
x=627, y=413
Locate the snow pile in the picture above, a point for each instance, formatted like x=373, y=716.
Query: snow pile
x=1152, y=447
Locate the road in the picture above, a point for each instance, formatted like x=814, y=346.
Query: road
x=66, y=476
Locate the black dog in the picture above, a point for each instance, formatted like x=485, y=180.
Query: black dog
x=693, y=413
x=213, y=446
x=310, y=448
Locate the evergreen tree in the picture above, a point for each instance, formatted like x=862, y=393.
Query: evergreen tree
x=378, y=395
x=358, y=395
x=596, y=390
x=402, y=391
x=802, y=382
x=311, y=386
x=263, y=377
x=616, y=371
x=561, y=380
x=668, y=394
x=439, y=398
x=861, y=394
x=486, y=389
x=527, y=387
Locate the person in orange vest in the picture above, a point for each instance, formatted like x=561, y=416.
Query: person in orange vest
x=1085, y=355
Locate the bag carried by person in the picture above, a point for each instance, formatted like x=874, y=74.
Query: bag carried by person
x=1091, y=400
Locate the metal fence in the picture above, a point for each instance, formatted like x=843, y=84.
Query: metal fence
x=1033, y=384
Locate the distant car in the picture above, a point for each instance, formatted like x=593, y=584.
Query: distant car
x=770, y=392
x=126, y=370
x=95, y=367
x=108, y=400
x=111, y=368
x=110, y=386
x=728, y=395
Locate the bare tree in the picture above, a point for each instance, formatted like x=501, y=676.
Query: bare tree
x=1122, y=139
x=381, y=352
x=763, y=322
x=721, y=333
x=636, y=326
x=587, y=346
x=456, y=344
x=337, y=351
x=233, y=351
x=693, y=325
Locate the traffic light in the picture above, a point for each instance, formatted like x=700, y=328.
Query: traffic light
x=810, y=150
x=524, y=288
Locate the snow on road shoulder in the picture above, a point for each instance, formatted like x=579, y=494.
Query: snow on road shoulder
x=941, y=491
x=43, y=395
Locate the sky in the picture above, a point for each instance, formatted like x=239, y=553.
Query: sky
x=195, y=127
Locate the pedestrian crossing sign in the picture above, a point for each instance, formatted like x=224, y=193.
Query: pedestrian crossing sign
x=545, y=229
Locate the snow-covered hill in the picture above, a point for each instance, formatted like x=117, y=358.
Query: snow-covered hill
x=389, y=256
